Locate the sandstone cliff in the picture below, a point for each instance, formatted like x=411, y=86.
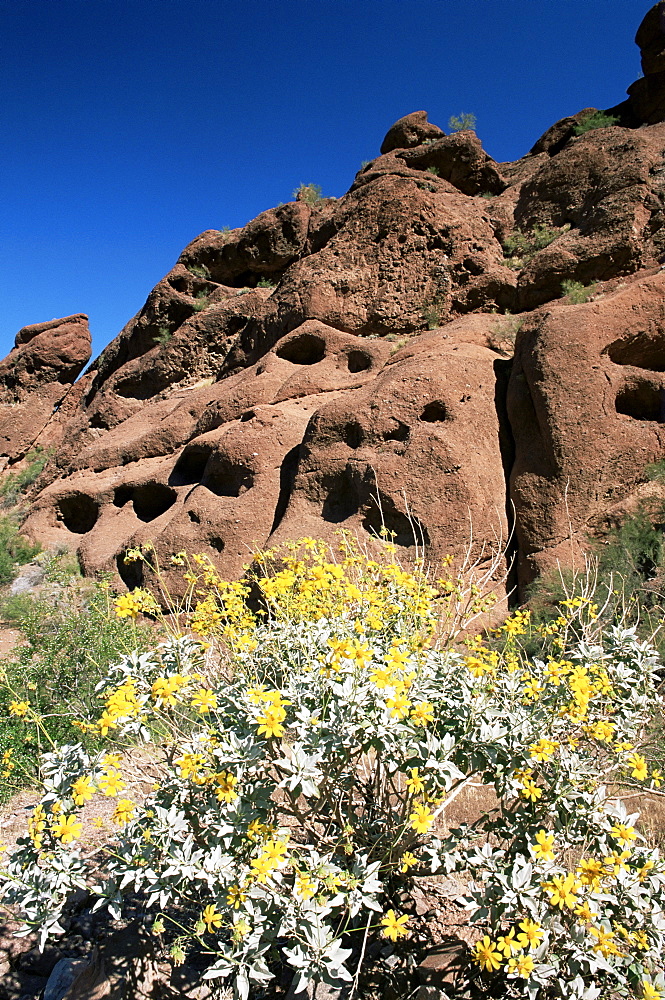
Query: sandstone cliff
x=348, y=363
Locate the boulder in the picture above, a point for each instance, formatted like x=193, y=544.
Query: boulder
x=411, y=130
x=647, y=95
x=35, y=379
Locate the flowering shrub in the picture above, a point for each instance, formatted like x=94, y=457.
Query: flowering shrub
x=306, y=774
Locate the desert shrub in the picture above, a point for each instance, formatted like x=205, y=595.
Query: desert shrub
x=434, y=170
x=503, y=334
x=163, y=335
x=307, y=770
x=576, y=293
x=309, y=193
x=67, y=644
x=462, y=122
x=201, y=301
x=433, y=313
x=597, y=119
x=200, y=270
x=15, y=550
x=520, y=247
x=16, y=483
x=266, y=283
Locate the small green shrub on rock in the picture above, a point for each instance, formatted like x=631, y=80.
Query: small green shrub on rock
x=309, y=193
x=520, y=247
x=597, y=119
x=576, y=293
x=463, y=122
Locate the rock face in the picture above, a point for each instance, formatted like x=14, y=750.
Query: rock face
x=35, y=379
x=345, y=364
x=586, y=402
x=647, y=95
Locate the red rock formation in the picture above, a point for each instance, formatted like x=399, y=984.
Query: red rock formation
x=281, y=379
x=35, y=379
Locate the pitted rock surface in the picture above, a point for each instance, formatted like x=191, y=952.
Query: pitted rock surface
x=345, y=364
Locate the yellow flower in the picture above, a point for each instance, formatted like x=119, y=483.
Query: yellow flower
x=649, y=991
x=422, y=713
x=211, y=918
x=624, y=834
x=645, y=869
x=421, y=819
x=563, y=890
x=67, y=828
x=657, y=777
x=590, y=871
x=19, y=708
x=399, y=706
x=235, y=897
x=543, y=750
x=487, y=956
x=226, y=782
x=531, y=690
x=532, y=934
x=204, y=700
x=542, y=849
x=123, y=811
x=415, y=783
x=127, y=606
x=111, y=782
x=530, y=790
x=605, y=944
x=408, y=861
x=585, y=913
x=602, y=730
x=394, y=927
x=304, y=886
x=615, y=862
x=639, y=766
x=508, y=944
x=82, y=790
x=522, y=966
x=270, y=722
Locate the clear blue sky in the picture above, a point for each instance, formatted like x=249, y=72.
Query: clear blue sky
x=129, y=126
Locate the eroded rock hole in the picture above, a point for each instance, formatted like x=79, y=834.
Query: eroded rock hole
x=190, y=467
x=193, y=517
x=358, y=361
x=78, y=512
x=131, y=573
x=353, y=434
x=640, y=351
x=143, y=385
x=434, y=412
x=404, y=530
x=152, y=500
x=287, y=476
x=122, y=495
x=217, y=544
x=642, y=401
x=343, y=500
x=398, y=431
x=303, y=350
x=226, y=478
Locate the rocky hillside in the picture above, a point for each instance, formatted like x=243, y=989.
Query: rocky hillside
x=454, y=343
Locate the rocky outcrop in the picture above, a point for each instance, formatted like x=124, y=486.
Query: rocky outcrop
x=345, y=364
x=647, y=95
x=35, y=379
x=586, y=404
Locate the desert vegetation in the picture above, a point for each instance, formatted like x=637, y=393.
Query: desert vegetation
x=309, y=728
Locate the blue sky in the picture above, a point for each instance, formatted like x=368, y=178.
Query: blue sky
x=129, y=126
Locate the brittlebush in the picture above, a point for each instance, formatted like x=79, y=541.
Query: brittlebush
x=311, y=725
